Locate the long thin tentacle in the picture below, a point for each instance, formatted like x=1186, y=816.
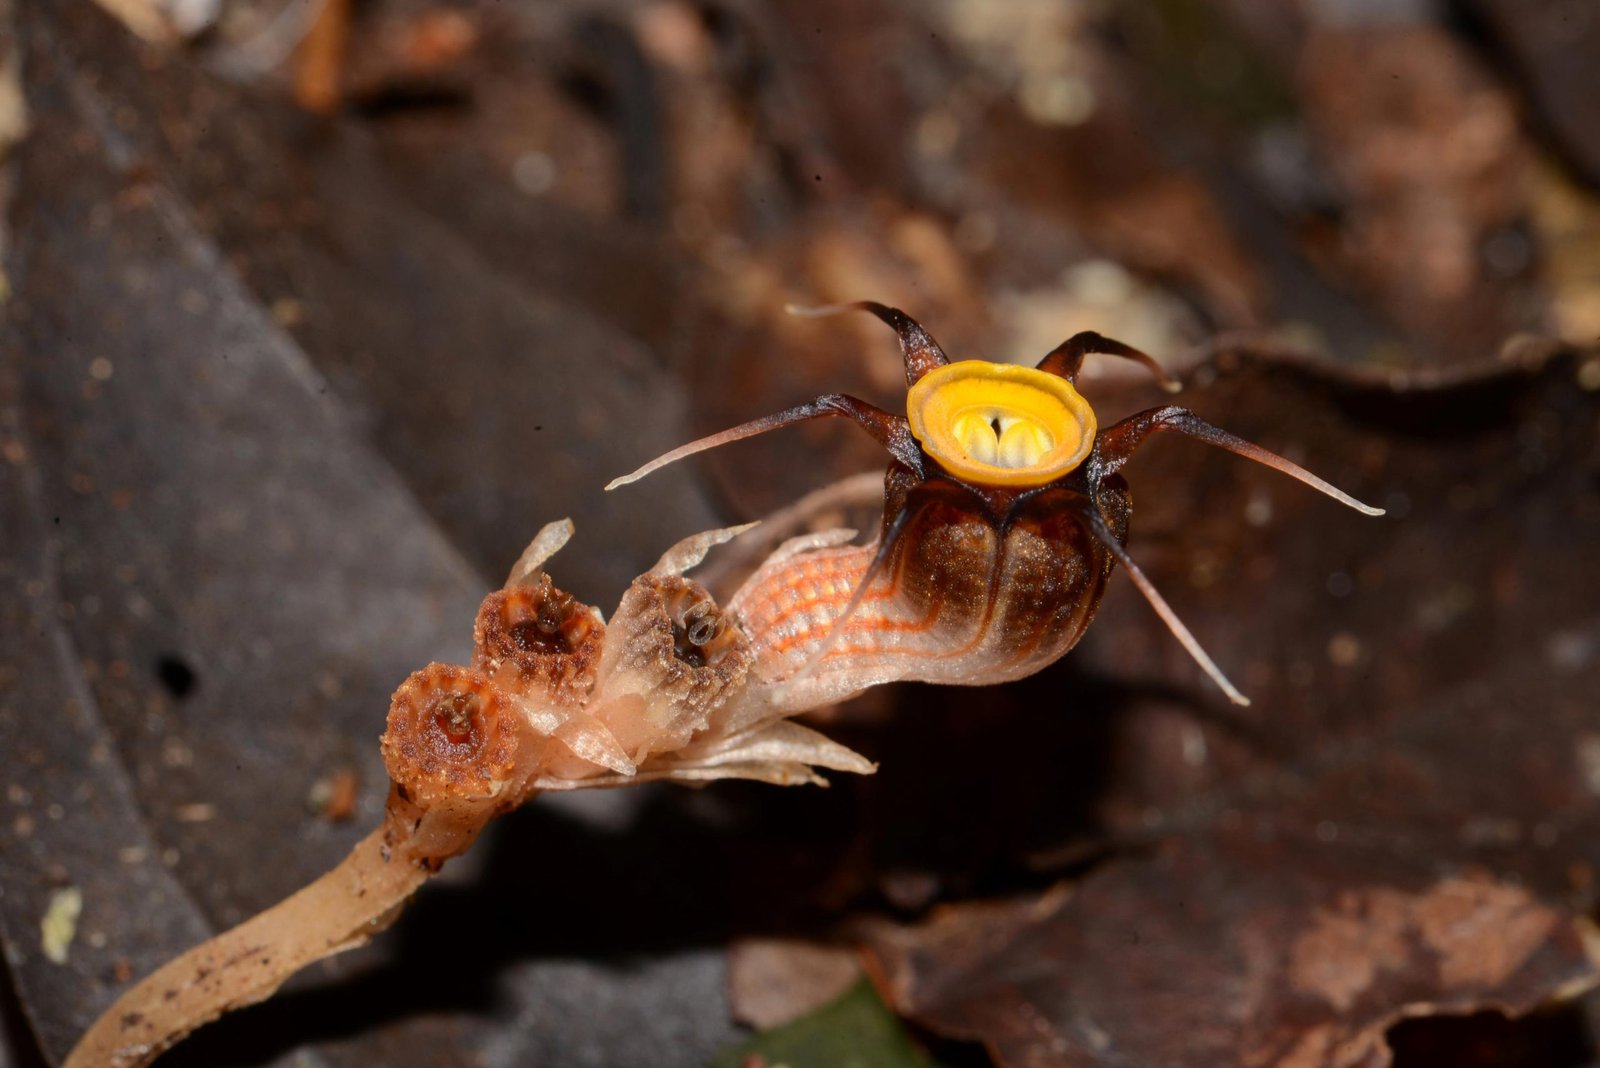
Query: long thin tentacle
x=1066, y=359
x=1117, y=443
x=922, y=353
x=1107, y=537
x=890, y=431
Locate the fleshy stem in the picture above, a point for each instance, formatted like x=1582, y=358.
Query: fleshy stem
x=342, y=910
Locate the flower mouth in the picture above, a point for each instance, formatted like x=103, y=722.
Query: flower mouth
x=1000, y=424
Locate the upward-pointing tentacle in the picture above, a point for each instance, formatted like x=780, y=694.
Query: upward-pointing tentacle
x=922, y=353
x=889, y=430
x=1066, y=359
x=1116, y=444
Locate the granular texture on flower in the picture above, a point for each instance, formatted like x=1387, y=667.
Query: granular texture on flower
x=450, y=735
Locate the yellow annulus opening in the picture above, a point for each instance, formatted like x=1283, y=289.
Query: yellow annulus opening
x=1000, y=424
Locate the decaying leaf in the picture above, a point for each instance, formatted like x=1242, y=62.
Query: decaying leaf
x=1246, y=947
x=213, y=581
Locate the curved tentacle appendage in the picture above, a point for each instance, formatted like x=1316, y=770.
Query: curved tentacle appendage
x=1118, y=443
x=888, y=430
x=1108, y=538
x=1066, y=359
x=922, y=353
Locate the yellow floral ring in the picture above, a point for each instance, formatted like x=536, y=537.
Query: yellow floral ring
x=1000, y=424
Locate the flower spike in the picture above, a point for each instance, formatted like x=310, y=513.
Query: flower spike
x=922, y=353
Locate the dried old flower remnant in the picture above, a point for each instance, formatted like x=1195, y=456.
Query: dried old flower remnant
x=536, y=638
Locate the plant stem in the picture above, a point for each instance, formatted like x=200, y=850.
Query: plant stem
x=244, y=965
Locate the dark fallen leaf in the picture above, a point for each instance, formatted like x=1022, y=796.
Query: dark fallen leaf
x=457, y=345
x=213, y=581
x=1242, y=947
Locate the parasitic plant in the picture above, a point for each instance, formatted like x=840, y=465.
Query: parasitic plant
x=1004, y=515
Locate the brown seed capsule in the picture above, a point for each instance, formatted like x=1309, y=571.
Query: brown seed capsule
x=672, y=658
x=537, y=639
x=450, y=736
